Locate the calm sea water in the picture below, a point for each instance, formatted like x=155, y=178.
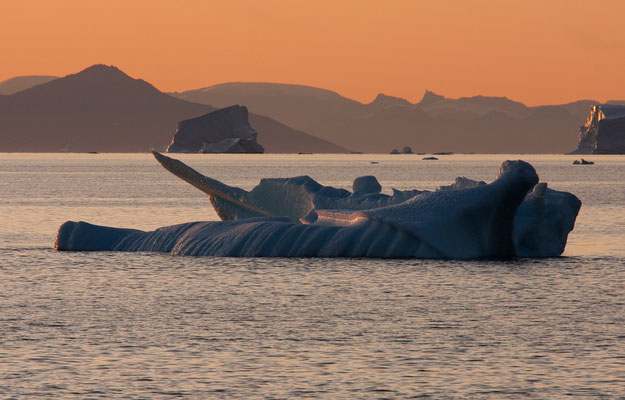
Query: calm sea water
x=146, y=325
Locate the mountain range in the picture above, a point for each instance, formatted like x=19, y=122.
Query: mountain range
x=435, y=124
x=103, y=109
x=20, y=83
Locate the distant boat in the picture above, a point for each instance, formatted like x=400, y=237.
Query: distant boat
x=583, y=162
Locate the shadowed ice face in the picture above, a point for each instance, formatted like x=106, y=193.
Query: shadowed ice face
x=543, y=222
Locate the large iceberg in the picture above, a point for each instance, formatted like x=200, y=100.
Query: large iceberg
x=604, y=131
x=513, y=216
x=226, y=130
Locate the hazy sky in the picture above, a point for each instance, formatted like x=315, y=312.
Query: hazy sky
x=538, y=52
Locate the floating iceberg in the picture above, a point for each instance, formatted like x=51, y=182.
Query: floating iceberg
x=226, y=130
x=512, y=216
x=604, y=131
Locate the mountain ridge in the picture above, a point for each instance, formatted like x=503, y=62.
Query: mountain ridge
x=435, y=123
x=103, y=109
x=19, y=83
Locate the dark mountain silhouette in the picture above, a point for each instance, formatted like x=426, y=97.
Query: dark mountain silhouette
x=430, y=98
x=579, y=109
x=468, y=124
x=468, y=108
x=20, y=83
x=383, y=101
x=103, y=109
x=307, y=106
x=276, y=137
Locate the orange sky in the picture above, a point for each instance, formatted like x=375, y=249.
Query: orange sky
x=537, y=52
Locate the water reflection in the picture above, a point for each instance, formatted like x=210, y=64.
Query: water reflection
x=102, y=325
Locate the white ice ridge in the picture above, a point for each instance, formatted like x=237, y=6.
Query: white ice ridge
x=297, y=217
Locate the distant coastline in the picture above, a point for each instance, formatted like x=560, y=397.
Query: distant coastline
x=102, y=109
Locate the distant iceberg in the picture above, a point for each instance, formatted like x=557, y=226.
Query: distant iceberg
x=513, y=216
x=226, y=130
x=604, y=131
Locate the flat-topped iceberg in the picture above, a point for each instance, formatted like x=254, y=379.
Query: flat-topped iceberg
x=512, y=216
x=226, y=130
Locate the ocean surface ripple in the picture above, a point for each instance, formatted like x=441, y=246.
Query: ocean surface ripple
x=148, y=325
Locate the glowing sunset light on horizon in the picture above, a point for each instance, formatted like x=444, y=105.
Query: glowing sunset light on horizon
x=537, y=52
